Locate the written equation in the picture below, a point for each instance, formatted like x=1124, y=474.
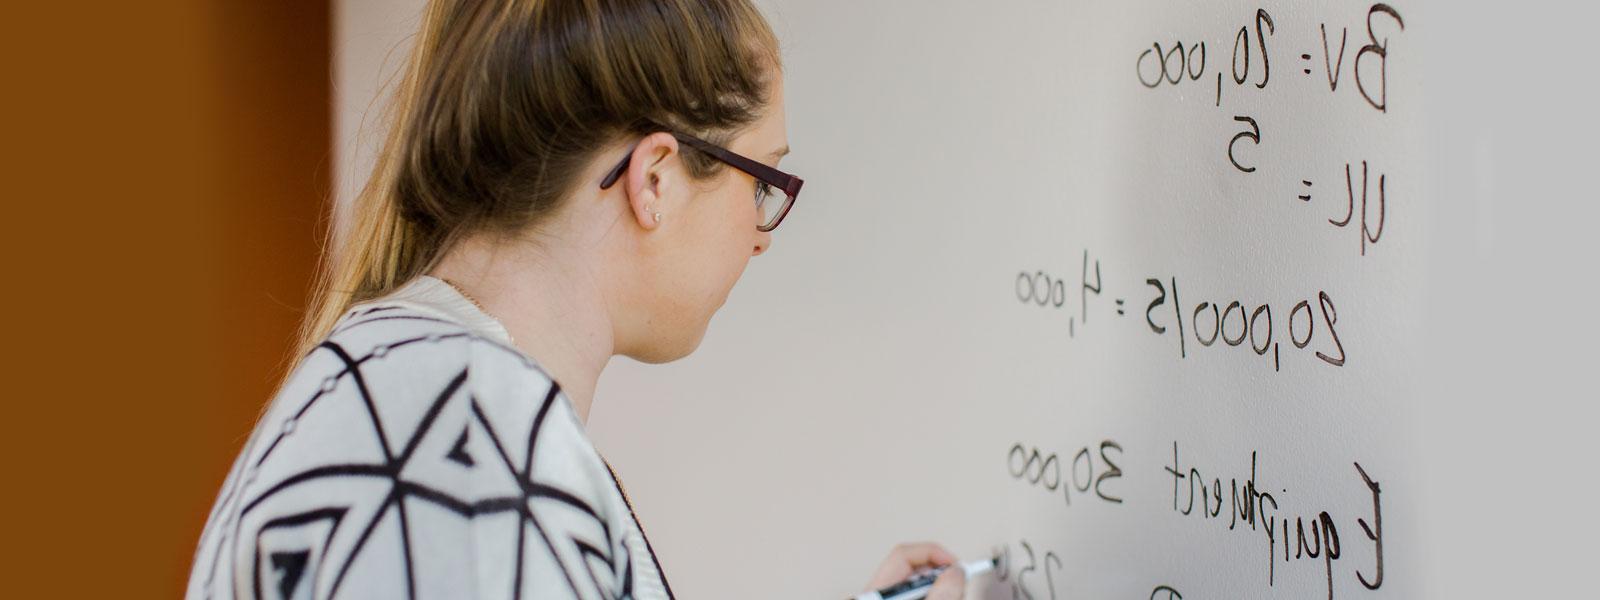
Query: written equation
x=1172, y=65
x=1194, y=321
x=1203, y=500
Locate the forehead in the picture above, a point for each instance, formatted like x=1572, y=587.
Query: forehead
x=769, y=132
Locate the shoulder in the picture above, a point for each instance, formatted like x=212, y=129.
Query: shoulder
x=400, y=447
x=415, y=371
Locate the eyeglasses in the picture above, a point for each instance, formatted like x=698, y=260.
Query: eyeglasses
x=768, y=179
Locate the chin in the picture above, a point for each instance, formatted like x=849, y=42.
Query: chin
x=670, y=349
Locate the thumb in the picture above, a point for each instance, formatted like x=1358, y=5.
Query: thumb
x=951, y=584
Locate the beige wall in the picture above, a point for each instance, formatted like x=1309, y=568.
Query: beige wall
x=371, y=40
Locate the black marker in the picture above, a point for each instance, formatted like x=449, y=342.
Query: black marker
x=917, y=586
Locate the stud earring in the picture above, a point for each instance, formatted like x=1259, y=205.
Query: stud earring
x=657, y=216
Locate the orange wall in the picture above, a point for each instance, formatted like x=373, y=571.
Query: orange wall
x=164, y=205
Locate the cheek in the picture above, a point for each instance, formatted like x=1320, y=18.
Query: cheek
x=719, y=240
x=731, y=222
x=734, y=222
x=729, y=246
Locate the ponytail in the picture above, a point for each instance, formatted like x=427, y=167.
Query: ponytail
x=504, y=102
x=381, y=249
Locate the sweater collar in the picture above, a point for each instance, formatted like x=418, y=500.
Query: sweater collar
x=431, y=294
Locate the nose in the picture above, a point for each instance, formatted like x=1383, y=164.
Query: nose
x=763, y=241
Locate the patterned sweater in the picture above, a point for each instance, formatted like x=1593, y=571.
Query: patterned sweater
x=416, y=454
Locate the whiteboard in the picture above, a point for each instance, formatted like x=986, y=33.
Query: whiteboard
x=1144, y=296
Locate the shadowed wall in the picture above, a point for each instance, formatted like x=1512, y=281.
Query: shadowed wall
x=169, y=195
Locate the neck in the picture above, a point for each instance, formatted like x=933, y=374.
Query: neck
x=551, y=304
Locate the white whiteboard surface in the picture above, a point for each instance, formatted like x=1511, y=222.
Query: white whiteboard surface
x=869, y=378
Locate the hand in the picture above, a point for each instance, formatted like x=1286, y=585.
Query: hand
x=907, y=559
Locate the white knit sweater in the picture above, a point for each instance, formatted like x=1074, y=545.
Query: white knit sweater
x=417, y=454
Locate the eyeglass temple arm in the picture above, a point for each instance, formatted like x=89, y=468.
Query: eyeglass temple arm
x=773, y=177
x=784, y=181
x=617, y=171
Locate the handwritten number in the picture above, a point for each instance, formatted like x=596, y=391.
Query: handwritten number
x=1254, y=134
x=1083, y=294
x=1161, y=298
x=1003, y=570
x=1111, y=472
x=1051, y=581
x=1242, y=37
x=1022, y=586
x=1330, y=315
x=1138, y=68
x=1266, y=64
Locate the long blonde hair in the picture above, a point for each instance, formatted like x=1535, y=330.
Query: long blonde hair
x=503, y=102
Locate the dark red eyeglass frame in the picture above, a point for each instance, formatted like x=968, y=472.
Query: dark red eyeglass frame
x=768, y=175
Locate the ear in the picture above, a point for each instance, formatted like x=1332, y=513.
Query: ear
x=649, y=176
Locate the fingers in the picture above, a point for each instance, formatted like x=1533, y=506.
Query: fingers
x=906, y=559
x=924, y=554
x=951, y=585
x=892, y=571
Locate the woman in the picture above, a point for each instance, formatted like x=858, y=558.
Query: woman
x=564, y=181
